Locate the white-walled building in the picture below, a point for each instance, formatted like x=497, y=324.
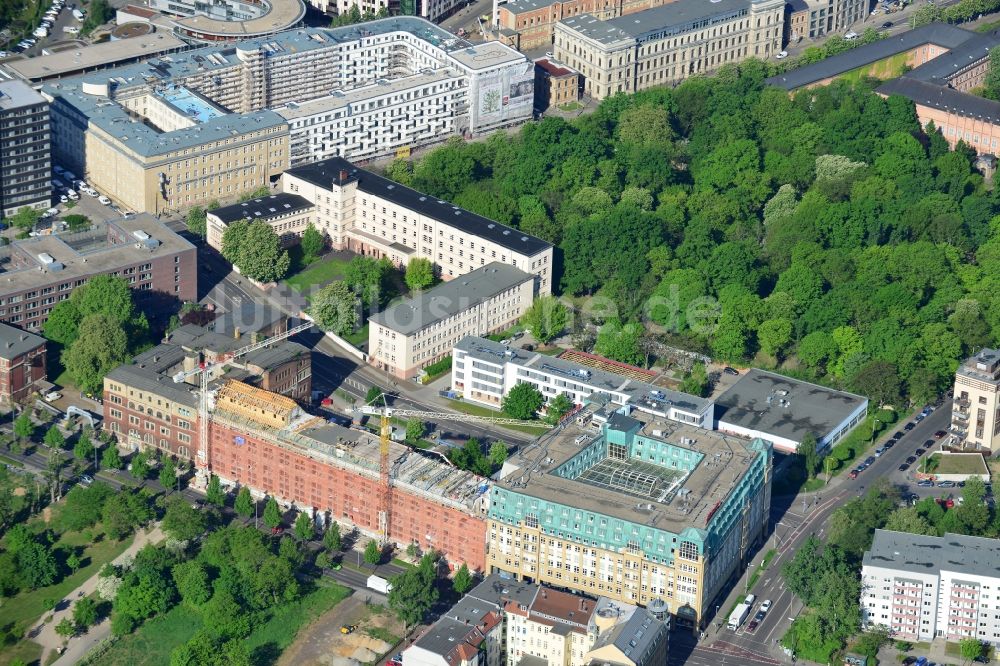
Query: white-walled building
x=366, y=213
x=485, y=371
x=421, y=330
x=925, y=587
x=975, y=416
x=784, y=410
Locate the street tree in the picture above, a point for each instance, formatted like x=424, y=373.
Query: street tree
x=196, y=221
x=214, y=494
x=807, y=450
x=100, y=347
x=419, y=274
x=83, y=449
x=546, y=318
x=415, y=429
x=523, y=401
x=111, y=458
x=140, y=465
x=971, y=648
x=85, y=613
x=312, y=244
x=24, y=428
x=182, y=521
x=498, y=453
x=414, y=593
x=696, y=381
x=304, y=528
x=244, y=504
x=54, y=437
x=374, y=396
x=272, y=514
x=335, y=308
x=66, y=628
x=462, y=582
x=373, y=552
x=63, y=324
x=167, y=475
x=331, y=538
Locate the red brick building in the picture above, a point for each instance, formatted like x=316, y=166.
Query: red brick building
x=555, y=85
x=22, y=363
x=267, y=443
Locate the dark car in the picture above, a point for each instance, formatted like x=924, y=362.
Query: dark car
x=929, y=443
x=903, y=467
x=752, y=627
x=926, y=483
x=891, y=443
x=731, y=371
x=898, y=434
x=909, y=426
x=939, y=434
x=870, y=461
x=887, y=25
x=759, y=617
x=946, y=484
x=919, y=452
x=911, y=459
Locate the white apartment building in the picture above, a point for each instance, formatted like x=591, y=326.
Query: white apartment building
x=556, y=626
x=288, y=214
x=924, y=587
x=371, y=215
x=485, y=371
x=975, y=416
x=421, y=330
x=667, y=44
x=432, y=10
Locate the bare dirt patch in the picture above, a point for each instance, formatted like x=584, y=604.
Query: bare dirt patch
x=322, y=643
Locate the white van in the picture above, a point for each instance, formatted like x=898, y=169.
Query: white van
x=41, y=32
x=79, y=15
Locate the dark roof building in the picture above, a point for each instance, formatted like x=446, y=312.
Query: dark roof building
x=263, y=208
x=639, y=641
x=783, y=410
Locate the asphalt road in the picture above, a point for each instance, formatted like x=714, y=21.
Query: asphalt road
x=794, y=519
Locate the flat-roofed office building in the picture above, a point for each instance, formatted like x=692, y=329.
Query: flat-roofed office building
x=25, y=165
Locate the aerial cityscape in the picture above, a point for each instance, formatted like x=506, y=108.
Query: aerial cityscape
x=499, y=332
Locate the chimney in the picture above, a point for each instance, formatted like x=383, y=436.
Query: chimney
x=343, y=175
x=24, y=336
x=236, y=332
x=583, y=604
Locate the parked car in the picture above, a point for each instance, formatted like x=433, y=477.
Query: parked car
x=869, y=461
x=782, y=55
x=73, y=30
x=731, y=371
x=851, y=36
x=946, y=484
x=919, y=417
x=853, y=474
x=929, y=443
x=926, y=483
x=939, y=434
x=898, y=434
x=909, y=426
x=86, y=479
x=765, y=606
x=911, y=459
x=903, y=467
x=277, y=530
x=52, y=396
x=73, y=196
x=891, y=443
x=879, y=451
x=104, y=200
x=887, y=25
x=919, y=452
x=752, y=626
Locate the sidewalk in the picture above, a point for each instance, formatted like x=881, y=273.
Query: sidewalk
x=78, y=646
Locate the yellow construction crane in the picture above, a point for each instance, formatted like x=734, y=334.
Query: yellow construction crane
x=206, y=369
x=385, y=426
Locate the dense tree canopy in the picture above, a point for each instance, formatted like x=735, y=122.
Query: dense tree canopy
x=825, y=233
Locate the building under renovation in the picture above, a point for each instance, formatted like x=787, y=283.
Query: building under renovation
x=267, y=442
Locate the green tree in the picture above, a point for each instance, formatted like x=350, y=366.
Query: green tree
x=462, y=582
x=37, y=565
x=25, y=218
x=85, y=613
x=66, y=628
x=214, y=493
x=232, y=240
x=244, y=504
x=373, y=396
x=83, y=506
x=63, y=324
x=620, y=342
x=696, y=381
x=419, y=274
x=558, y=407
x=140, y=465
x=774, y=335
x=415, y=429
x=331, y=538
x=546, y=318
x=373, y=552
x=24, y=429
x=498, y=453
x=991, y=85
x=304, y=528
x=523, y=401
x=54, y=437
x=167, y=475
x=878, y=380
x=260, y=256
x=83, y=449
x=73, y=562
x=123, y=512
x=413, y=592
x=272, y=514
x=368, y=278
x=193, y=582
x=105, y=295
x=312, y=244
x=100, y=347
x=334, y=308
x=182, y=521
x=807, y=449
x=110, y=458
x=197, y=220
x=970, y=647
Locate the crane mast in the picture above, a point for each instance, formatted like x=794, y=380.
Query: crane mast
x=204, y=370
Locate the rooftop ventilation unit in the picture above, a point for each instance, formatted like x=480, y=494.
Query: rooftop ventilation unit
x=579, y=373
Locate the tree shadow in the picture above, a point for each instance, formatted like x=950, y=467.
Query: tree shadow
x=266, y=654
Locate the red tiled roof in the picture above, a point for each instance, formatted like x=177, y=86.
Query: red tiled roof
x=136, y=10
x=552, y=68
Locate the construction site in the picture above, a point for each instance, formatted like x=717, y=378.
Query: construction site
x=270, y=444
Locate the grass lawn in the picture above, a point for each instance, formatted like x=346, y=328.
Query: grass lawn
x=27, y=651
x=279, y=631
x=11, y=461
x=570, y=106
x=383, y=635
x=155, y=640
x=478, y=410
x=317, y=273
x=28, y=606
x=358, y=337
x=957, y=463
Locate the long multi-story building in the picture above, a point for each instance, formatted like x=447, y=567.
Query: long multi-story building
x=186, y=128
x=268, y=443
x=39, y=272
x=639, y=511
x=365, y=213
x=22, y=363
x=667, y=44
x=975, y=415
x=816, y=18
x=484, y=371
x=530, y=24
x=926, y=587
x=25, y=167
x=421, y=330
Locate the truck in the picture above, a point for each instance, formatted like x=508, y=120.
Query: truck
x=379, y=584
x=738, y=615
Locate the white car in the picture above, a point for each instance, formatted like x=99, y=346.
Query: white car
x=851, y=36
x=104, y=200
x=765, y=606
x=50, y=212
x=4, y=54
x=52, y=396
x=782, y=55
x=63, y=198
x=73, y=196
x=71, y=30
x=89, y=191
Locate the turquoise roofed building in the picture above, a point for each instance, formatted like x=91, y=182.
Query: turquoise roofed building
x=635, y=508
